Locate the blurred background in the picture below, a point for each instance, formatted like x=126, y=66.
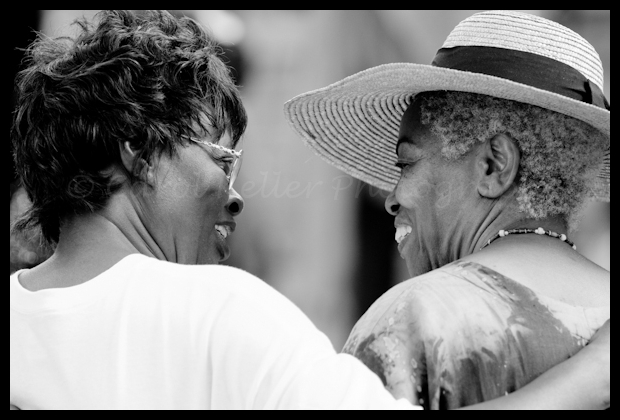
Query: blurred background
x=320, y=237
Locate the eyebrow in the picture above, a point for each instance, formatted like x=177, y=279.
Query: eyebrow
x=216, y=135
x=218, y=138
x=216, y=146
x=402, y=140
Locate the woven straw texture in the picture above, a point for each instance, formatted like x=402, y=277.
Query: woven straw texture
x=353, y=124
x=532, y=34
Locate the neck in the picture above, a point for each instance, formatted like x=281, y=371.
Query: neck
x=503, y=215
x=554, y=224
x=115, y=231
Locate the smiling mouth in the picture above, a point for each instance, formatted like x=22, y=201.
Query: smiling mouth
x=223, y=230
x=401, y=233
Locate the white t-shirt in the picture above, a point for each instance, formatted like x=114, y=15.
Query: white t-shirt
x=150, y=334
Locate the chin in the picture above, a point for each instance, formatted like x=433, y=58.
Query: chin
x=221, y=256
x=207, y=262
x=210, y=258
x=217, y=259
x=416, y=269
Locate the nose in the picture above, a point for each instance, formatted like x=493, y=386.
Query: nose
x=235, y=203
x=391, y=205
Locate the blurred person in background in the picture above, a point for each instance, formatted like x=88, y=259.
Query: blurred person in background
x=125, y=143
x=491, y=154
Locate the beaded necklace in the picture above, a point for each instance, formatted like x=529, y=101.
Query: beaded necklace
x=539, y=231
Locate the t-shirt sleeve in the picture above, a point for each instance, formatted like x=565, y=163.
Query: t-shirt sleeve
x=270, y=356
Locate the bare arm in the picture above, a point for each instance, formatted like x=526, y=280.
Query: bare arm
x=580, y=383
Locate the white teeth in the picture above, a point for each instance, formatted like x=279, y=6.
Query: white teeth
x=402, y=232
x=224, y=231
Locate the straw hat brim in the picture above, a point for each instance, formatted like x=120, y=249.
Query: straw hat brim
x=353, y=124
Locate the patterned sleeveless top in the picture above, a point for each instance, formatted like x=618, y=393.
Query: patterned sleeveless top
x=463, y=334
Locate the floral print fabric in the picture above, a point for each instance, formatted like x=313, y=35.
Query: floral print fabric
x=464, y=334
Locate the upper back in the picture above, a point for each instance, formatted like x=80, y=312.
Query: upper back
x=144, y=334
x=465, y=333
x=150, y=334
x=557, y=272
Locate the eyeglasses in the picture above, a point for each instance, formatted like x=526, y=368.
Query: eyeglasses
x=230, y=168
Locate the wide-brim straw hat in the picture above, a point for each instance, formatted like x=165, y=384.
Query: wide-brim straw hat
x=353, y=124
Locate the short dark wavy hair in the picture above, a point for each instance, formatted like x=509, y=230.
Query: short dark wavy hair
x=148, y=78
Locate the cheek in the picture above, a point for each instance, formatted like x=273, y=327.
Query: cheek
x=201, y=179
x=195, y=195
x=413, y=193
x=210, y=186
x=210, y=196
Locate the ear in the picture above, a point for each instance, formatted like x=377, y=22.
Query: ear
x=498, y=164
x=142, y=169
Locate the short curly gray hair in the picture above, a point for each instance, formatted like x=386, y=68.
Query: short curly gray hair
x=559, y=154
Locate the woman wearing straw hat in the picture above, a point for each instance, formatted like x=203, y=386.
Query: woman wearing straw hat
x=490, y=153
x=132, y=311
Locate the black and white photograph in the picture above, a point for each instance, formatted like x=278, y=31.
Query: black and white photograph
x=309, y=209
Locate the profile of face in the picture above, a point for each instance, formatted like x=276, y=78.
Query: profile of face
x=191, y=210
x=432, y=197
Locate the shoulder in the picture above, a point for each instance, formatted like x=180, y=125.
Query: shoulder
x=227, y=292
x=192, y=278
x=400, y=316
x=442, y=303
x=394, y=335
x=414, y=332
x=410, y=298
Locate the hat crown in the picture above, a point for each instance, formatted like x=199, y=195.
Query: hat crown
x=532, y=34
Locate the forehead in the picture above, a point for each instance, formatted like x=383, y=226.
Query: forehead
x=212, y=135
x=226, y=140
x=412, y=132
